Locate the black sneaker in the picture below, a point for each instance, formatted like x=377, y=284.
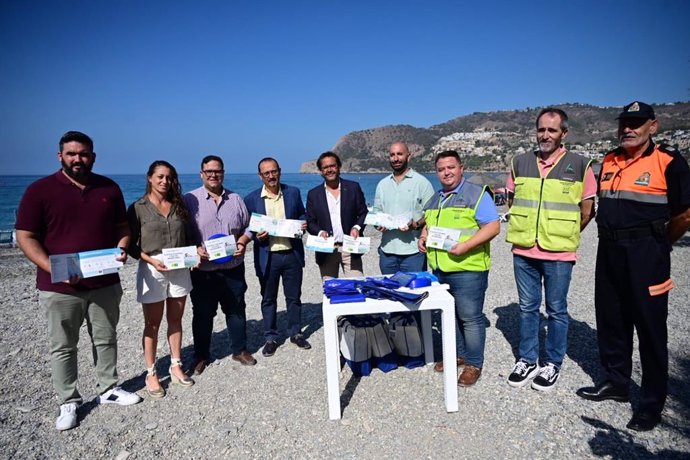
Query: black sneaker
x=522, y=373
x=547, y=377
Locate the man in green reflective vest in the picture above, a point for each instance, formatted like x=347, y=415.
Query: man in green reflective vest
x=461, y=220
x=551, y=195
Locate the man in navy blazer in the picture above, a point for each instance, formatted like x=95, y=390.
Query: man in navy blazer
x=336, y=208
x=276, y=257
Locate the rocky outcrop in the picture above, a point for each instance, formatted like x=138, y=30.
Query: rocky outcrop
x=487, y=141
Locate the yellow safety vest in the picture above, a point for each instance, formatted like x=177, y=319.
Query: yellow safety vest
x=547, y=209
x=457, y=210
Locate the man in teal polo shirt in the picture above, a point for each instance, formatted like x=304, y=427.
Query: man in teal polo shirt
x=404, y=191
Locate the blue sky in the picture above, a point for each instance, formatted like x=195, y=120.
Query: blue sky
x=245, y=79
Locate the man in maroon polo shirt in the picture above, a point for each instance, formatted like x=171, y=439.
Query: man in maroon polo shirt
x=72, y=211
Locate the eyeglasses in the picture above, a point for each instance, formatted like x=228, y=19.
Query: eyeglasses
x=273, y=172
x=213, y=172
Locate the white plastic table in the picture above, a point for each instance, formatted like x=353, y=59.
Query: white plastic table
x=439, y=299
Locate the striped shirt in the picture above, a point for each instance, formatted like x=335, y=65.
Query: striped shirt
x=207, y=218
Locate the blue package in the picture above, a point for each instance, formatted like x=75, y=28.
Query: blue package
x=403, y=278
x=347, y=298
x=419, y=283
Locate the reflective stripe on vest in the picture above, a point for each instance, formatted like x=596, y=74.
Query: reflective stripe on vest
x=640, y=180
x=458, y=211
x=547, y=209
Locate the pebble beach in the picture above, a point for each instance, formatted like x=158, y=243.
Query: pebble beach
x=278, y=408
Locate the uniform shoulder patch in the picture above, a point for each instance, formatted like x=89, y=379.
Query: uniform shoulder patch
x=667, y=148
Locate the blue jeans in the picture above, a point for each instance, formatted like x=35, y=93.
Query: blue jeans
x=210, y=288
x=281, y=264
x=468, y=289
x=390, y=264
x=556, y=276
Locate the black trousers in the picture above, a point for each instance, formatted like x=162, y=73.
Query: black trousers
x=210, y=288
x=631, y=292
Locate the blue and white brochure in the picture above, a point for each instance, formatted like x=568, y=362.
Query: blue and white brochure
x=183, y=257
x=359, y=245
x=85, y=264
x=220, y=247
x=443, y=238
x=381, y=219
x=318, y=244
x=288, y=228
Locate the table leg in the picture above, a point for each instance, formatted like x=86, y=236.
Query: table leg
x=332, y=345
x=450, y=370
x=426, y=335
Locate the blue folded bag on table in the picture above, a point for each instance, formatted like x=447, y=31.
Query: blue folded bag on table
x=347, y=298
x=375, y=291
x=339, y=286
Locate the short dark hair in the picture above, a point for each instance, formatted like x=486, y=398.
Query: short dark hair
x=448, y=154
x=326, y=155
x=209, y=158
x=76, y=136
x=258, y=165
x=555, y=111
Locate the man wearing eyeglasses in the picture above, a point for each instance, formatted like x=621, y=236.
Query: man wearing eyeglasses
x=215, y=210
x=644, y=207
x=276, y=257
x=335, y=209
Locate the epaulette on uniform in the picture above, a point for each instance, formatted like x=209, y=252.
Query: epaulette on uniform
x=667, y=149
x=617, y=151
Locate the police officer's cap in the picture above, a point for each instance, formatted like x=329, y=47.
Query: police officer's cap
x=638, y=110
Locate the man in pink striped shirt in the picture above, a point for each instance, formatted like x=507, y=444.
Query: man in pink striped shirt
x=551, y=197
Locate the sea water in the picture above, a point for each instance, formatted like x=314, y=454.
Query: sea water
x=134, y=185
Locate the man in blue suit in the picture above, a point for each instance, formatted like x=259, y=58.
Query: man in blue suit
x=336, y=208
x=276, y=257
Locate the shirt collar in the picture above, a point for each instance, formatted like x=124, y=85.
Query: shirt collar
x=265, y=193
x=223, y=194
x=455, y=190
x=407, y=174
x=326, y=187
x=553, y=158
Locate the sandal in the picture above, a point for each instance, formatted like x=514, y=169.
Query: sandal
x=158, y=393
x=186, y=381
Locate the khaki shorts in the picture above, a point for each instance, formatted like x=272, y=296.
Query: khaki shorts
x=154, y=286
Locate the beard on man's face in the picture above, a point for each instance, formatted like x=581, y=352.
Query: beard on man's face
x=399, y=167
x=76, y=173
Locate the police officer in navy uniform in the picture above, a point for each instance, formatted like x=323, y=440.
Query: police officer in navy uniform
x=644, y=207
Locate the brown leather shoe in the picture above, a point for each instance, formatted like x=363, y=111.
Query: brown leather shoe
x=438, y=367
x=469, y=376
x=245, y=358
x=200, y=366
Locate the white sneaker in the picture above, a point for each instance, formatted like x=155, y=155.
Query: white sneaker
x=67, y=418
x=117, y=395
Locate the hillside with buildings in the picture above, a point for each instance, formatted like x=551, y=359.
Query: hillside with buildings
x=488, y=140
